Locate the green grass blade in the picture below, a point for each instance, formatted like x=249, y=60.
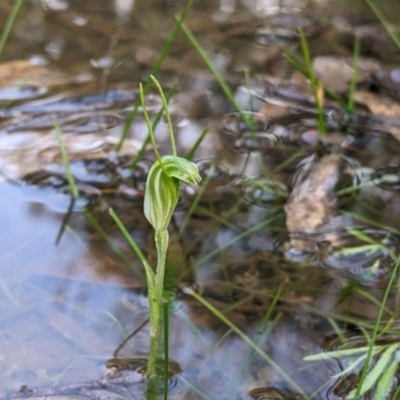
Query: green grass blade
x=247, y=340
x=340, y=353
x=307, y=58
x=225, y=88
x=392, y=32
x=156, y=121
x=376, y=371
x=167, y=114
x=297, y=65
x=150, y=276
x=194, y=204
x=367, y=248
x=396, y=393
x=385, y=382
x=148, y=123
x=190, y=154
x=377, y=325
x=9, y=24
x=165, y=50
x=271, y=307
x=238, y=238
x=350, y=368
x=315, y=85
x=103, y=234
x=65, y=161
x=362, y=236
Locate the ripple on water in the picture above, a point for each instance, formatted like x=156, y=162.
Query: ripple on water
x=214, y=171
x=387, y=178
x=263, y=135
x=22, y=93
x=269, y=393
x=264, y=193
x=369, y=263
x=216, y=182
x=60, y=199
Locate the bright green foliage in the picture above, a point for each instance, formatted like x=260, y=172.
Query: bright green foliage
x=380, y=372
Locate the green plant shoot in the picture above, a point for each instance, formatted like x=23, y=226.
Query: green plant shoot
x=161, y=197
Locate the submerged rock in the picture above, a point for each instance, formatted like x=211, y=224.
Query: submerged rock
x=312, y=216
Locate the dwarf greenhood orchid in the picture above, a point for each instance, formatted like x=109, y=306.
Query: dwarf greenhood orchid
x=160, y=199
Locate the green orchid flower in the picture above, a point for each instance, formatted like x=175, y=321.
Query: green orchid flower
x=162, y=188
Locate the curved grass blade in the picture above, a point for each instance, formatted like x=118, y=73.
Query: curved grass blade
x=375, y=373
x=9, y=24
x=377, y=325
x=385, y=381
x=225, y=88
x=246, y=339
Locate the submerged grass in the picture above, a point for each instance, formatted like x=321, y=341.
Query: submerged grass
x=378, y=374
x=385, y=22
x=247, y=340
x=318, y=90
x=378, y=320
x=64, y=156
x=224, y=86
x=316, y=85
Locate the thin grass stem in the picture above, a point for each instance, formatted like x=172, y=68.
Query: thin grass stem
x=154, y=125
x=167, y=114
x=247, y=340
x=165, y=50
x=296, y=64
x=195, y=203
x=190, y=154
x=316, y=86
x=148, y=123
x=110, y=243
x=9, y=24
x=393, y=34
x=376, y=328
x=65, y=161
x=237, y=238
x=225, y=88
x=131, y=242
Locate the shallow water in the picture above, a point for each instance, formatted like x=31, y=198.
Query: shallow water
x=71, y=290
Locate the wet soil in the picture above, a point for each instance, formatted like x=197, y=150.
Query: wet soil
x=276, y=238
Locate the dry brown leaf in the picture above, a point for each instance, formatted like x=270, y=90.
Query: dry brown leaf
x=381, y=106
x=24, y=72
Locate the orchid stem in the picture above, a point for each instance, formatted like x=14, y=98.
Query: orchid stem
x=161, y=239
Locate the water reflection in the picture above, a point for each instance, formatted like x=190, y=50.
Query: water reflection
x=123, y=10
x=263, y=7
